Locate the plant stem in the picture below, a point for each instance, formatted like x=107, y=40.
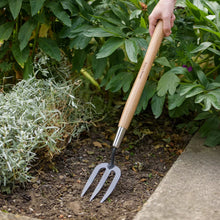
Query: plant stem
x=213, y=70
x=35, y=40
x=16, y=29
x=89, y=77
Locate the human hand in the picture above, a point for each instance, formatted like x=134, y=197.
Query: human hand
x=163, y=11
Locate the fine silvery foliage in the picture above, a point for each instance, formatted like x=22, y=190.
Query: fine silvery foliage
x=37, y=118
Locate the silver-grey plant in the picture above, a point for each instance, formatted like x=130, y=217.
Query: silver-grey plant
x=36, y=117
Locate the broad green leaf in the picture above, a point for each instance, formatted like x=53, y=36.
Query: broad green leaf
x=68, y=5
x=183, y=109
x=50, y=47
x=140, y=31
x=184, y=89
x=79, y=42
x=3, y=3
x=148, y=92
x=20, y=56
x=202, y=116
x=15, y=7
x=163, y=61
x=135, y=14
x=216, y=93
x=111, y=20
x=136, y=3
x=6, y=30
x=198, y=13
x=36, y=6
x=128, y=81
x=195, y=91
x=25, y=32
x=131, y=48
x=109, y=47
x=98, y=66
x=143, y=23
x=157, y=103
x=213, y=85
x=115, y=30
x=168, y=82
x=213, y=138
x=28, y=69
x=78, y=29
x=79, y=59
x=209, y=100
x=202, y=77
x=97, y=32
x=80, y=3
x=208, y=29
x=112, y=71
x=121, y=80
x=5, y=66
x=179, y=70
x=201, y=47
x=213, y=7
x=120, y=14
x=58, y=11
x=175, y=100
x=210, y=124
x=143, y=45
x=214, y=51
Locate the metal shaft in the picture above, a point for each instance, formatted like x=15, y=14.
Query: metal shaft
x=111, y=164
x=119, y=136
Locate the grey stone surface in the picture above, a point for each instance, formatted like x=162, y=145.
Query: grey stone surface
x=8, y=216
x=191, y=188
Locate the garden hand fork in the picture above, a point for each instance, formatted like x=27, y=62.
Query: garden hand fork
x=126, y=116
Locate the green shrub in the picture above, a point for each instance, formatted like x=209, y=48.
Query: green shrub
x=37, y=119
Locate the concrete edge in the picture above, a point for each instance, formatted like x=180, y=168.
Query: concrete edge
x=190, y=189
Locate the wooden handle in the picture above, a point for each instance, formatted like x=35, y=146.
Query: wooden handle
x=142, y=76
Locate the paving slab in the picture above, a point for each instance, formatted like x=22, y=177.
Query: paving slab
x=191, y=188
x=8, y=216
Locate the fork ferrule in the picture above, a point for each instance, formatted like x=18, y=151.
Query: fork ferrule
x=119, y=136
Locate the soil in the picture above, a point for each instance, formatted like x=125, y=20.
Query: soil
x=149, y=149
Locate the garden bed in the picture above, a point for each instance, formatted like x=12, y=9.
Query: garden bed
x=149, y=149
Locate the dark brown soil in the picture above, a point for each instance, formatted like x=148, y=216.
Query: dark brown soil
x=149, y=149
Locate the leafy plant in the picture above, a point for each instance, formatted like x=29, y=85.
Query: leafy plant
x=197, y=89
x=26, y=26
x=37, y=119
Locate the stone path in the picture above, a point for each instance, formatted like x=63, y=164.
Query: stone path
x=191, y=188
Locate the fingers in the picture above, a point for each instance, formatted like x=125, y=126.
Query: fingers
x=168, y=23
x=162, y=11
x=166, y=27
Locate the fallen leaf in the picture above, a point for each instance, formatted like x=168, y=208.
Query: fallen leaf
x=106, y=145
x=92, y=165
x=134, y=169
x=97, y=144
x=90, y=152
x=147, y=132
x=158, y=146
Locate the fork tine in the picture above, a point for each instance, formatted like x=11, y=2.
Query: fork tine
x=113, y=184
x=92, y=177
x=101, y=183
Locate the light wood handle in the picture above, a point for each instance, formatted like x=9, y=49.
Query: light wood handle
x=137, y=89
